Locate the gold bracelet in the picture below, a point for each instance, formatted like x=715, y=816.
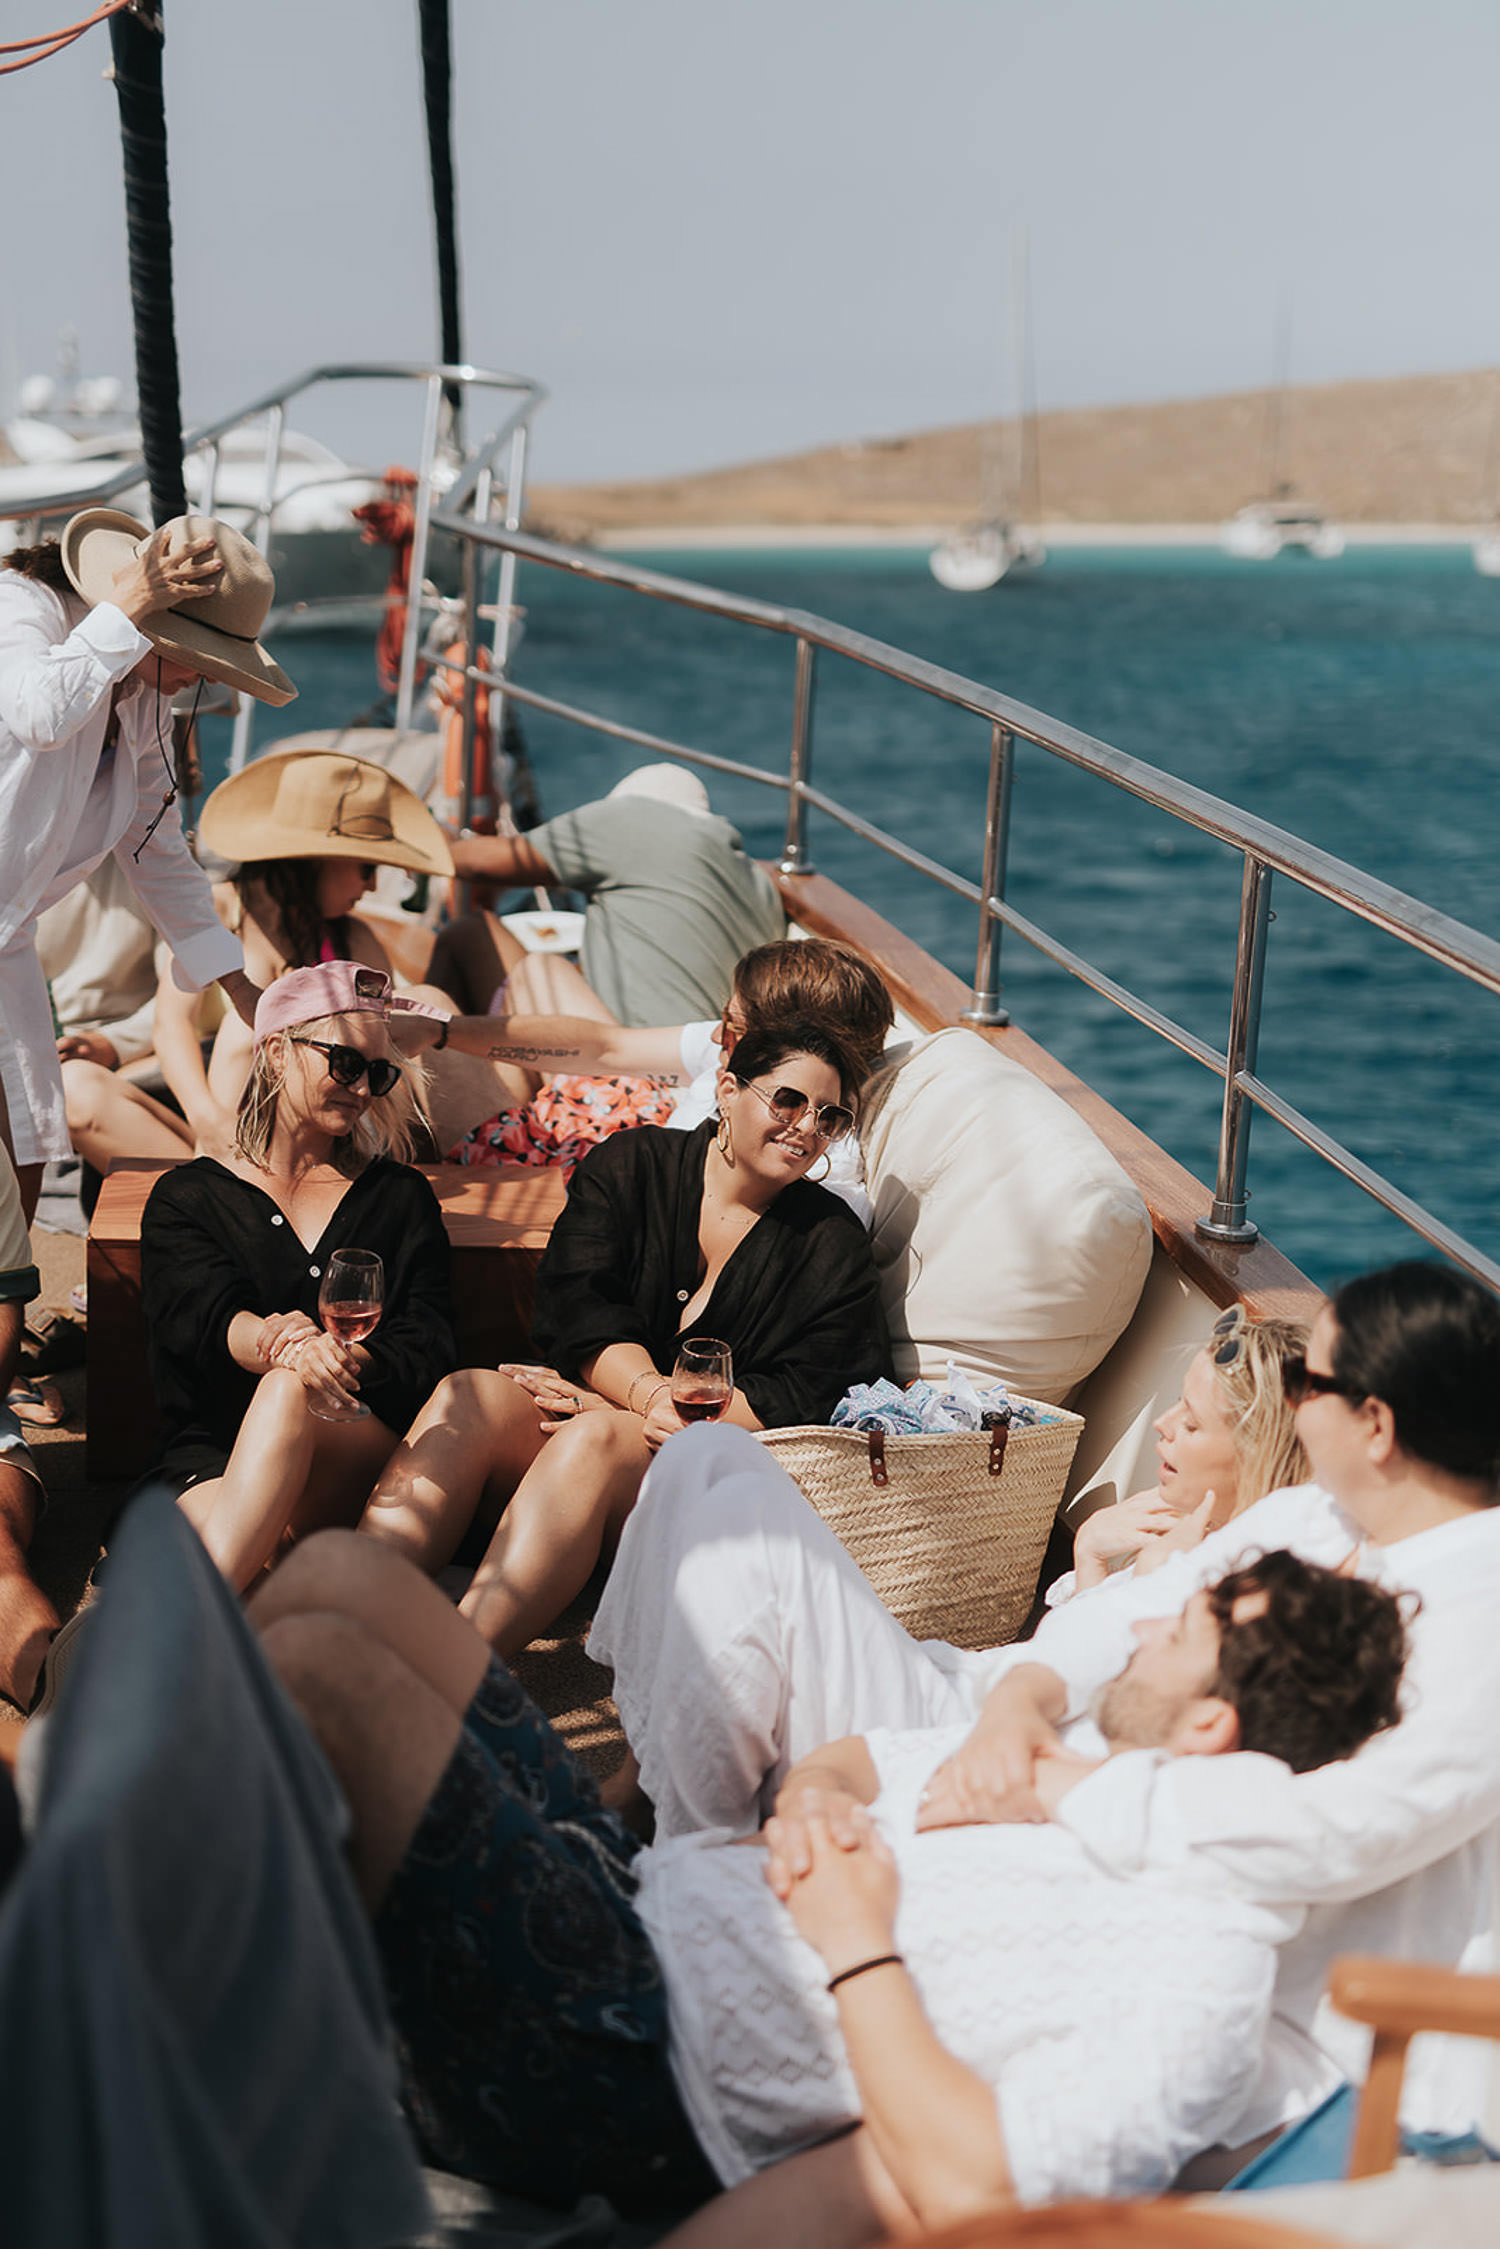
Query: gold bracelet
x=644, y=1376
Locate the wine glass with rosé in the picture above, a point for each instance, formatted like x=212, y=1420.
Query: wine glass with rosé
x=703, y=1379
x=350, y=1301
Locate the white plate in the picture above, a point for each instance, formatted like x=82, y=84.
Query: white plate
x=546, y=933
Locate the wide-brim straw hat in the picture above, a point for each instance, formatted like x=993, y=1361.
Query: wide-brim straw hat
x=217, y=633
x=322, y=804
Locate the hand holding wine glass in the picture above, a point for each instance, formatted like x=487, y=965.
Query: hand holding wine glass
x=703, y=1379
x=349, y=1306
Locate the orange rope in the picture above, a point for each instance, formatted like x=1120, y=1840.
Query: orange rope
x=52, y=42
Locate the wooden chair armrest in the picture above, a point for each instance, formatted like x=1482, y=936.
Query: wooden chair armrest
x=1398, y=1998
x=1406, y=1996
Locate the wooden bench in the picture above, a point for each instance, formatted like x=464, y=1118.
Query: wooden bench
x=498, y=1221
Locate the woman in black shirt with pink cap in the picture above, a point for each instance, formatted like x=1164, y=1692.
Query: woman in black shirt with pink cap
x=276, y=1427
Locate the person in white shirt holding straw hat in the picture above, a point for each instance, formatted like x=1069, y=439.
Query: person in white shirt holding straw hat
x=97, y=633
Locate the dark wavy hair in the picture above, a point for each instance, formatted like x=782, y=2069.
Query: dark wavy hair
x=291, y=885
x=1425, y=1339
x=819, y=978
x=1318, y=1673
x=43, y=562
x=775, y=1041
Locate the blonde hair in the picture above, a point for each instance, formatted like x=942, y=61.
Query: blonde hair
x=1253, y=1395
x=392, y=1126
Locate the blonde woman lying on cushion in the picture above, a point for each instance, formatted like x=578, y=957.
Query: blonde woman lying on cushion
x=1230, y=1438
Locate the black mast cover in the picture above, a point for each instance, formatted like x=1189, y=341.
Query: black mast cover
x=137, y=43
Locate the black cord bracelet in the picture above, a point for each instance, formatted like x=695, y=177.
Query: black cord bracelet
x=885, y=1960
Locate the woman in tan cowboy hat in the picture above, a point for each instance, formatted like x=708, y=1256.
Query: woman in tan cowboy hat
x=307, y=828
x=96, y=633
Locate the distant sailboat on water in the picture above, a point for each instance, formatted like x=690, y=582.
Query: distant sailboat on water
x=999, y=543
x=1486, y=548
x=1263, y=529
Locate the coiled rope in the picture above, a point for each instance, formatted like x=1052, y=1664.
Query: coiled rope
x=53, y=42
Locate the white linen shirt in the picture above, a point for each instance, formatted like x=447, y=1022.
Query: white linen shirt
x=1118, y=2022
x=1396, y=1850
x=59, y=813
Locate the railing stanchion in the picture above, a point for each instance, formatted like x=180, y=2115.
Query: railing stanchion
x=794, y=858
x=244, y=717
x=406, y=690
x=1227, y=1222
x=504, y=641
x=473, y=570
x=986, y=1007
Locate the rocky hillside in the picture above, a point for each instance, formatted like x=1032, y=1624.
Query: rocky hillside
x=1415, y=449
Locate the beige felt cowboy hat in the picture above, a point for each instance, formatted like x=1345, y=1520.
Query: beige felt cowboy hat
x=217, y=633
x=322, y=804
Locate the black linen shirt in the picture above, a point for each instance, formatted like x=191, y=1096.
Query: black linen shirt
x=798, y=1301
x=213, y=1245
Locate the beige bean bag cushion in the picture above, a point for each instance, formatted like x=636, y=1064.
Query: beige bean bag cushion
x=1007, y=1236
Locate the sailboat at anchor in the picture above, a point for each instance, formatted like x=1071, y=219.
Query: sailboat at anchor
x=998, y=542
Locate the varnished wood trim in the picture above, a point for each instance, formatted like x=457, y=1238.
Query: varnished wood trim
x=1259, y=1276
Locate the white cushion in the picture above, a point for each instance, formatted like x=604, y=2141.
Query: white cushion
x=1007, y=1236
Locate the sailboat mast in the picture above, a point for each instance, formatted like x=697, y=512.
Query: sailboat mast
x=137, y=36
x=437, y=90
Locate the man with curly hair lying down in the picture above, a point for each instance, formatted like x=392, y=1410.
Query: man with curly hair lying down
x=856, y=2026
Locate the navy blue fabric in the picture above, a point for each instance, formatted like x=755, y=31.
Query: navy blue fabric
x=530, y=2012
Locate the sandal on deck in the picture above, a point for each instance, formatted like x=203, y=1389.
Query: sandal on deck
x=38, y=1402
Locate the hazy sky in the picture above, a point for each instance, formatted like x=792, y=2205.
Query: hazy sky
x=723, y=228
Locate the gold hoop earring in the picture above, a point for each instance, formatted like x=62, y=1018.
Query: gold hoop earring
x=722, y=1140
x=827, y=1162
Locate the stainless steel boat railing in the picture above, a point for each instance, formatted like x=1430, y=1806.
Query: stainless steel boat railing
x=1266, y=849
x=476, y=472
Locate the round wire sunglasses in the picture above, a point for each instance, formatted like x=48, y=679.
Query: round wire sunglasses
x=830, y=1120
x=346, y=1066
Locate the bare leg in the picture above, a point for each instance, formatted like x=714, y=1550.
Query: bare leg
x=387, y=1734
x=471, y=960
x=338, y=1573
x=577, y=1493
x=289, y=1472
x=109, y=1118
x=838, y=2196
x=27, y=1618
x=548, y=984
x=468, y=1448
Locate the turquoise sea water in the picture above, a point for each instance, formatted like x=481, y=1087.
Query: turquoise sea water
x=1356, y=703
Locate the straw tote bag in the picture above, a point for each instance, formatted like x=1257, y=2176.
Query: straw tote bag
x=949, y=1529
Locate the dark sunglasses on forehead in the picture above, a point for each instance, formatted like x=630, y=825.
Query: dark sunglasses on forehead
x=830, y=1120
x=1227, y=1336
x=1301, y=1382
x=347, y=1066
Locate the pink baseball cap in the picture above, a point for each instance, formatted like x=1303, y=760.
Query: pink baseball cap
x=332, y=988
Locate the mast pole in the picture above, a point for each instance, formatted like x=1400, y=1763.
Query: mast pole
x=437, y=92
x=137, y=36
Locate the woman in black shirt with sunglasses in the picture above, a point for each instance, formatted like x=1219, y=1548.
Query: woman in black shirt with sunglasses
x=275, y=1427
x=666, y=1235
